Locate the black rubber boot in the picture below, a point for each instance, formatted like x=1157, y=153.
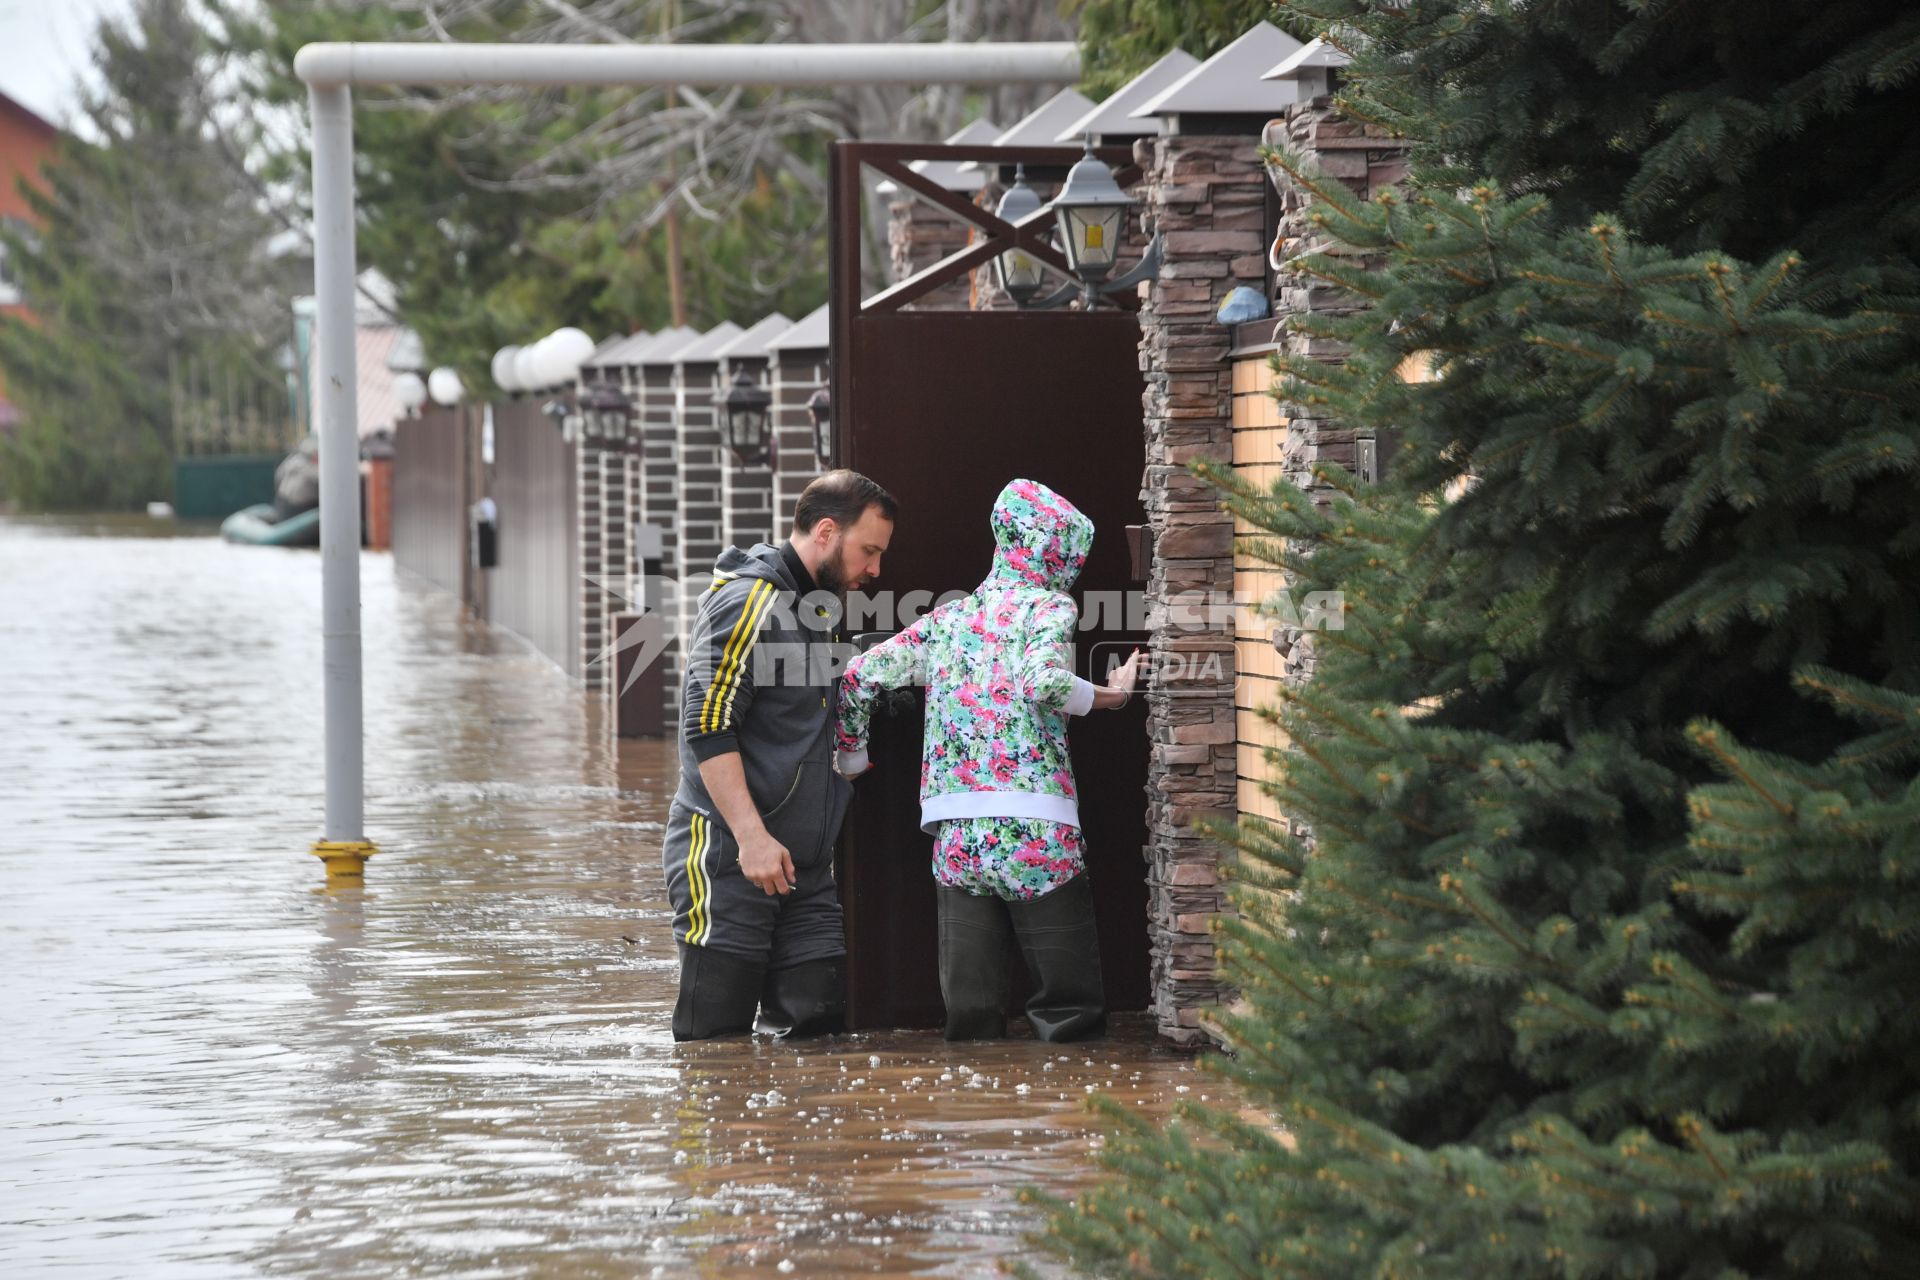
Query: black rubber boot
x=806, y=999
x=718, y=994
x=1061, y=944
x=976, y=943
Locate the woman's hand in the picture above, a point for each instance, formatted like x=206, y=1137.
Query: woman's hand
x=1120, y=682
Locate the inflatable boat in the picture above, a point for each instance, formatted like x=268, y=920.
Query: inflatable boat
x=256, y=526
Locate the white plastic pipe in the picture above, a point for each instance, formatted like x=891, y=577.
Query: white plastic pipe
x=773, y=65
x=338, y=382
x=330, y=69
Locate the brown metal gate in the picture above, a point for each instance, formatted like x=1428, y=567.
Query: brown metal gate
x=943, y=408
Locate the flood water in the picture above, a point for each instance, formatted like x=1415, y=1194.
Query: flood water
x=215, y=1067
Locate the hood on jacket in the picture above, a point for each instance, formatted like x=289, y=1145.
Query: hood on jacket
x=761, y=561
x=1039, y=538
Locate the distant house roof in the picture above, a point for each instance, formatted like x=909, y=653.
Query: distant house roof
x=808, y=334
x=707, y=349
x=753, y=342
x=1231, y=81
x=407, y=352
x=1114, y=118
x=27, y=114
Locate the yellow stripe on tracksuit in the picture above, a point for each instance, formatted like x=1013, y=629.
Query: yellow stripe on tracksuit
x=700, y=917
x=716, y=708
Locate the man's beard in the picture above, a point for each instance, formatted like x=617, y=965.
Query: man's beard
x=833, y=573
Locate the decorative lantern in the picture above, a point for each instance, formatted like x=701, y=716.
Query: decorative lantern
x=1017, y=270
x=748, y=430
x=820, y=409
x=606, y=414
x=1090, y=211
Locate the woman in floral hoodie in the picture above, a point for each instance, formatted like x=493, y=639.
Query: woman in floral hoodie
x=996, y=785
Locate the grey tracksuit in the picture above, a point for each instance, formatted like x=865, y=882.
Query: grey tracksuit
x=763, y=664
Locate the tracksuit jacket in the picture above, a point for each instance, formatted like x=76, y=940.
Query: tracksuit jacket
x=761, y=662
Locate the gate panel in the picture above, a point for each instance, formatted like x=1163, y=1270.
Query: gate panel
x=943, y=408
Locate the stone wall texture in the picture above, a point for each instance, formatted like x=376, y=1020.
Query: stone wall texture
x=1207, y=197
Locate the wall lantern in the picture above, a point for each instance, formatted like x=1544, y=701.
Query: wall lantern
x=745, y=408
x=607, y=416
x=1089, y=215
x=1090, y=212
x=1018, y=271
x=820, y=409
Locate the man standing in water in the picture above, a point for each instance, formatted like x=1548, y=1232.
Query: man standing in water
x=750, y=834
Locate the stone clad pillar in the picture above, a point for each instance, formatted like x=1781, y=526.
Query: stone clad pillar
x=1366, y=162
x=1207, y=196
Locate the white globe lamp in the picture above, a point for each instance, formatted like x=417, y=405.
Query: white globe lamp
x=443, y=384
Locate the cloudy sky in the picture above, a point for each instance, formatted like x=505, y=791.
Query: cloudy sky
x=43, y=50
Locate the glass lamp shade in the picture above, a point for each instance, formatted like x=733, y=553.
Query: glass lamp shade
x=410, y=390
x=606, y=413
x=525, y=372
x=1091, y=234
x=1090, y=211
x=561, y=354
x=1017, y=270
x=503, y=368
x=744, y=407
x=443, y=384
x=820, y=409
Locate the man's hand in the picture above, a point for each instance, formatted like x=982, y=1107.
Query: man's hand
x=765, y=861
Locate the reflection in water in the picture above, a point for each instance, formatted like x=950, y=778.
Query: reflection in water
x=218, y=1068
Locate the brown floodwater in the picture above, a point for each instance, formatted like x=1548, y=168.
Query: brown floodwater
x=215, y=1067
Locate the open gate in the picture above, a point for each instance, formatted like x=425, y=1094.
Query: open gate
x=943, y=408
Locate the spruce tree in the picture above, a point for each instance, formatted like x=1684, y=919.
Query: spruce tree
x=1597, y=960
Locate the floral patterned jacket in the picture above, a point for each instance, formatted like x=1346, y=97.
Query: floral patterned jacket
x=997, y=666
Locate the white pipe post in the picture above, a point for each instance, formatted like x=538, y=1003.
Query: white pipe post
x=709, y=65
x=344, y=848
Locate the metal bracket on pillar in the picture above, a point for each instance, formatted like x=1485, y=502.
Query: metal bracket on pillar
x=1146, y=269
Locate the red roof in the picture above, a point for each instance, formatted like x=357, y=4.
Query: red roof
x=27, y=113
